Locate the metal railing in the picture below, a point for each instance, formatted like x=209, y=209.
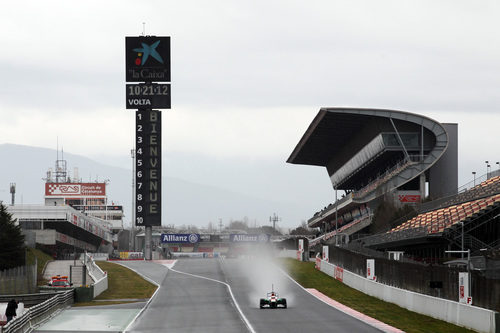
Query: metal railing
x=330, y=207
x=387, y=175
x=394, y=236
x=463, y=194
x=37, y=314
x=471, y=194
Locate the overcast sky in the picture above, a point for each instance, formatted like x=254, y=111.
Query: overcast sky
x=248, y=77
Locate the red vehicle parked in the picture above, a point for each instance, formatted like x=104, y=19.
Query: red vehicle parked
x=60, y=282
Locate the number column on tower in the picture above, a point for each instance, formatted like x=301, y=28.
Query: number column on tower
x=148, y=168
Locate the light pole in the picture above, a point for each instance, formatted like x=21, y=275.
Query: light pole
x=220, y=235
x=498, y=163
x=474, y=174
x=462, y=223
x=487, y=167
x=274, y=219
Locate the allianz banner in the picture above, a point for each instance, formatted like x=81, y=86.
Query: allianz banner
x=241, y=238
x=180, y=238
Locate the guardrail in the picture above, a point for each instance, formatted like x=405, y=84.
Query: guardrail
x=30, y=300
x=37, y=314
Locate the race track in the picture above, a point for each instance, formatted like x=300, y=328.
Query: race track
x=190, y=300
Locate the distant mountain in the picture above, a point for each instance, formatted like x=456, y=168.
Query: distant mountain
x=183, y=201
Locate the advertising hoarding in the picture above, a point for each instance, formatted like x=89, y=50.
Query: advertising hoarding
x=147, y=59
x=180, y=238
x=253, y=238
x=370, y=269
x=75, y=189
x=408, y=196
x=326, y=253
x=463, y=287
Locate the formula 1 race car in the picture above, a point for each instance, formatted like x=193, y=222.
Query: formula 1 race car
x=272, y=300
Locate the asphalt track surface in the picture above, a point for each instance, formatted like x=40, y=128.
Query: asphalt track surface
x=191, y=303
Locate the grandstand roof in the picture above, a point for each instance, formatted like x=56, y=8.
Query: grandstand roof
x=332, y=128
x=349, y=142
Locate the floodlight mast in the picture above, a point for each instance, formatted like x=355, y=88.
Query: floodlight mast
x=274, y=219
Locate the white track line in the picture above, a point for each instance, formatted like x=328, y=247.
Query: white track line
x=147, y=303
x=242, y=315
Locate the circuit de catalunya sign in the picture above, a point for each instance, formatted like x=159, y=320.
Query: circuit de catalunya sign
x=261, y=238
x=180, y=238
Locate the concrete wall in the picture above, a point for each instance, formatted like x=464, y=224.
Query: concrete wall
x=443, y=176
x=288, y=254
x=47, y=237
x=472, y=317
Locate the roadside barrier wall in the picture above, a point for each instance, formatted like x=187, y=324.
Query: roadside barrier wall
x=288, y=254
x=469, y=316
x=195, y=254
x=99, y=277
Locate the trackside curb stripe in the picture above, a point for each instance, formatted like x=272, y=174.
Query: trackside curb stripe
x=353, y=313
x=245, y=320
x=347, y=310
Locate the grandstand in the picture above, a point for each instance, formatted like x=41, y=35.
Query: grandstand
x=374, y=155
x=377, y=156
x=466, y=220
x=62, y=230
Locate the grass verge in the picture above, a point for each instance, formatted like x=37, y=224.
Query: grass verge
x=309, y=277
x=124, y=283
x=124, y=286
x=41, y=258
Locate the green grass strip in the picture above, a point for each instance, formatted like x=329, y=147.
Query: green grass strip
x=41, y=258
x=411, y=322
x=124, y=283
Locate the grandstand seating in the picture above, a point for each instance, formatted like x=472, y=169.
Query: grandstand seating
x=487, y=188
x=343, y=228
x=437, y=221
x=397, y=169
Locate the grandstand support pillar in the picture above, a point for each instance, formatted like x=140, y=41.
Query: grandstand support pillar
x=422, y=186
x=407, y=156
x=147, y=242
x=336, y=219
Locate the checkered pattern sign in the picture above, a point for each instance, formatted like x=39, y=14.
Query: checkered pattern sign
x=75, y=189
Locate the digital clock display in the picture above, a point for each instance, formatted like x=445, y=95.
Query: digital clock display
x=148, y=89
x=148, y=96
